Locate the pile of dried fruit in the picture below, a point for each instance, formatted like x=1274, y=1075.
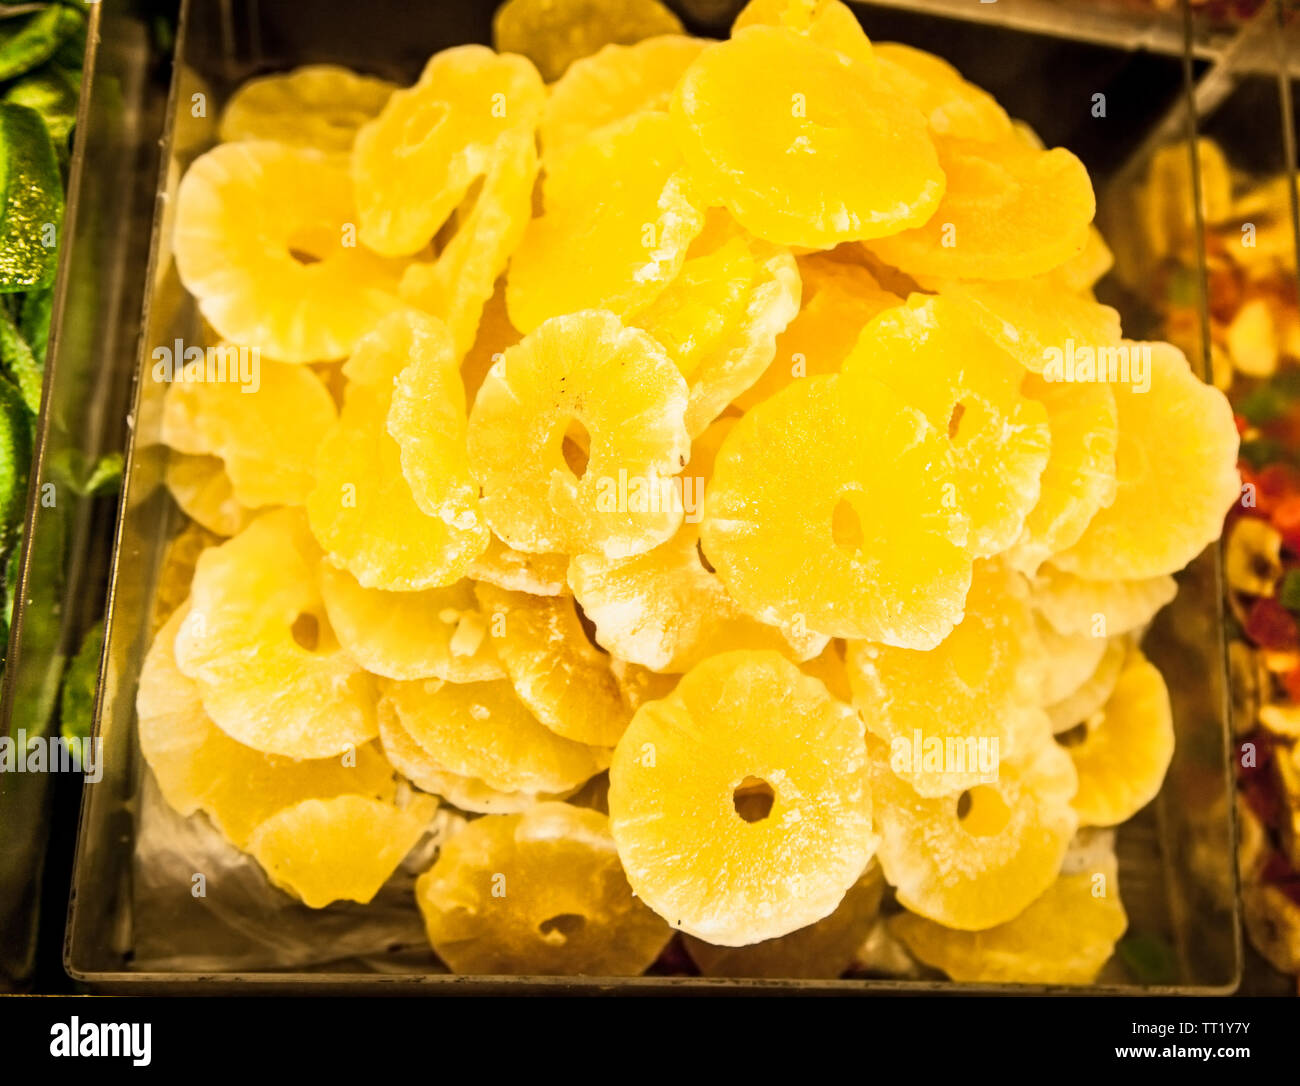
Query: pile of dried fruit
x=756, y=459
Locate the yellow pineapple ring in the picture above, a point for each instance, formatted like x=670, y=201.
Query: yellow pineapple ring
x=618, y=198
x=564, y=679
x=740, y=802
x=538, y=893
x=757, y=115
x=968, y=388
x=720, y=318
x=820, y=951
x=202, y=489
x=1064, y=936
x=838, y=301
x=1074, y=657
x=788, y=521
x=1100, y=608
x=265, y=433
x=1127, y=748
x=1091, y=696
x=339, y=849
x=827, y=22
x=1008, y=212
x=619, y=385
x=666, y=611
x=953, y=106
x=363, y=510
x=255, y=606
x=435, y=634
x=317, y=105
x=415, y=163
x=265, y=241
x=200, y=768
x=556, y=33
x=1176, y=467
x=613, y=84
x=519, y=571
x=975, y=685
x=483, y=730
x=457, y=285
x=980, y=870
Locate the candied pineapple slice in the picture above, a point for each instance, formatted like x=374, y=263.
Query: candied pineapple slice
x=317, y=105
x=260, y=649
x=953, y=106
x=826, y=22
x=794, y=527
x=537, y=893
x=1091, y=695
x=519, y=571
x=556, y=33
x=202, y=489
x=1100, y=608
x=740, y=802
x=762, y=117
x=626, y=399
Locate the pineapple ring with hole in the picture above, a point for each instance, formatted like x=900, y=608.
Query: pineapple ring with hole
x=198, y=767
x=363, y=510
x=789, y=524
x=339, y=849
x=537, y=893
x=583, y=370
x=202, y=489
x=740, y=802
x=414, y=164
x=317, y=105
x=1074, y=606
x=980, y=870
x=435, y=634
x=618, y=220
x=257, y=644
x=564, y=679
x=262, y=240
x=483, y=731
x=555, y=34
x=937, y=360
x=826, y=22
x=1125, y=753
x=756, y=115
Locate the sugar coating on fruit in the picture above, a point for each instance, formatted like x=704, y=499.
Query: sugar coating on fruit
x=740, y=802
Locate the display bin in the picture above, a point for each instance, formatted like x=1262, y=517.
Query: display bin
x=1044, y=62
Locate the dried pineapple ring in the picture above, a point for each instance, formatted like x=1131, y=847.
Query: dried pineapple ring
x=935, y=358
x=975, y=685
x=953, y=106
x=363, y=510
x=820, y=951
x=666, y=611
x=1074, y=657
x=338, y=849
x=261, y=240
x=554, y=34
x=1123, y=758
x=435, y=634
x=202, y=489
x=1101, y=608
x=787, y=521
x=620, y=200
x=414, y=164
x=200, y=768
x=619, y=385
x=483, y=730
x=740, y=802
x=1064, y=936
x=838, y=301
x=557, y=673
x=1176, y=472
x=536, y=574
x=317, y=105
x=252, y=600
x=756, y=115
x=458, y=284
x=538, y=893
x=720, y=318
x=980, y=870
x=1092, y=695
x=1008, y=212
x=611, y=85
x=265, y=434
x=827, y=22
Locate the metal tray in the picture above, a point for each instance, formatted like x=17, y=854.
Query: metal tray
x=1177, y=873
